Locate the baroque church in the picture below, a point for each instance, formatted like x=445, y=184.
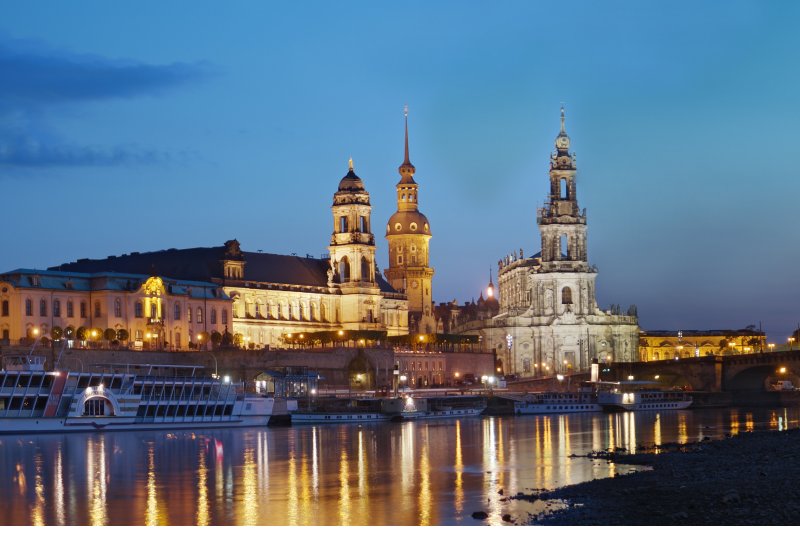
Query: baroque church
x=548, y=320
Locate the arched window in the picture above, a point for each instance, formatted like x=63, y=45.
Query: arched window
x=224, y=316
x=363, y=226
x=344, y=270
x=117, y=308
x=138, y=310
x=28, y=307
x=312, y=311
x=176, y=314
x=56, y=307
x=213, y=315
x=564, y=189
x=199, y=315
x=566, y=295
x=97, y=309
x=5, y=308
x=70, y=309
x=42, y=307
x=365, y=273
x=564, y=248
x=323, y=312
x=342, y=224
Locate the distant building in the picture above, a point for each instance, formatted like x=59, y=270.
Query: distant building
x=275, y=296
x=146, y=311
x=548, y=320
x=408, y=233
x=655, y=345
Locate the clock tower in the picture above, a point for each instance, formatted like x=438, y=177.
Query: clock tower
x=409, y=233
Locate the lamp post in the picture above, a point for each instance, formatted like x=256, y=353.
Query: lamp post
x=771, y=346
x=791, y=340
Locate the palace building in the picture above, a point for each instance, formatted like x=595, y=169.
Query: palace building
x=408, y=233
x=548, y=320
x=269, y=297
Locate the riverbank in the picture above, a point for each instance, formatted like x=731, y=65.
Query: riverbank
x=750, y=479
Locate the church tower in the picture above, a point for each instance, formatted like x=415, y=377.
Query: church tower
x=409, y=233
x=352, y=252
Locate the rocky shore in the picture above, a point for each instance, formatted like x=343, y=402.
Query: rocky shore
x=750, y=479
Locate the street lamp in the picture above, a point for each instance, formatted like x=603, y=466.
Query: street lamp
x=403, y=380
x=791, y=340
x=771, y=345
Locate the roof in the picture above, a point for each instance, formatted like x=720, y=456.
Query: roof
x=205, y=264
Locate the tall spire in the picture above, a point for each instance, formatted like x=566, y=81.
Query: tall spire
x=405, y=113
x=350, y=164
x=563, y=128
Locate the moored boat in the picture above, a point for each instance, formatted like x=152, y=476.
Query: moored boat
x=582, y=401
x=114, y=397
x=641, y=396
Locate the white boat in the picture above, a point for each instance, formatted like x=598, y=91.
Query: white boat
x=33, y=400
x=632, y=397
x=583, y=401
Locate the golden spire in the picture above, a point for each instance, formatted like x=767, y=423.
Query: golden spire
x=350, y=164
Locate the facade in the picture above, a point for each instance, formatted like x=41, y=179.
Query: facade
x=408, y=233
x=153, y=312
x=275, y=296
x=548, y=320
x=655, y=345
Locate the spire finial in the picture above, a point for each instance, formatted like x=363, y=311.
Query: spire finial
x=350, y=163
x=405, y=113
x=563, y=129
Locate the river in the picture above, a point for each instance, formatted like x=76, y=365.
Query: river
x=410, y=473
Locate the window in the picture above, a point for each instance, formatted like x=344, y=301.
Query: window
x=363, y=226
x=526, y=365
x=177, y=312
x=199, y=315
x=365, y=274
x=566, y=295
x=138, y=310
x=97, y=309
x=153, y=310
x=224, y=316
x=344, y=270
x=57, y=307
x=83, y=309
x=118, y=308
x=342, y=224
x=564, y=247
x=399, y=259
x=564, y=190
x=28, y=307
x=213, y=316
x=5, y=308
x=42, y=307
x=70, y=309
x=413, y=259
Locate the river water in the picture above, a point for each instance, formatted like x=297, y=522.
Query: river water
x=410, y=473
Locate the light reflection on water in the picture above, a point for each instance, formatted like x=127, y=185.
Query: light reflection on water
x=416, y=473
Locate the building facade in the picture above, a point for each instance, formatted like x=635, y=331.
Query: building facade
x=273, y=296
x=548, y=320
x=408, y=234
x=141, y=311
x=655, y=345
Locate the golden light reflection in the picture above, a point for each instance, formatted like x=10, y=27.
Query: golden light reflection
x=58, y=489
x=293, y=512
x=96, y=478
x=406, y=463
x=151, y=517
x=203, y=518
x=734, y=423
x=424, y=499
x=37, y=517
x=563, y=444
x=314, y=463
x=657, y=431
x=683, y=433
x=749, y=424
x=305, y=491
x=344, y=490
x=249, y=488
x=490, y=468
x=629, y=430
x=459, y=483
x=612, y=441
x=363, y=491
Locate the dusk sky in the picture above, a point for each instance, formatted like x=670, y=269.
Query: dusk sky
x=141, y=126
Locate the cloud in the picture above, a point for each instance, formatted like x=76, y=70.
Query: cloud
x=38, y=80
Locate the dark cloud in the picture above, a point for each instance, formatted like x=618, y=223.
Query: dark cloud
x=37, y=80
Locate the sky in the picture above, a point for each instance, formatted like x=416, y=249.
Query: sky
x=140, y=126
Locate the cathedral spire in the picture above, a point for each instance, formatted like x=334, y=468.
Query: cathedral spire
x=563, y=127
x=406, y=169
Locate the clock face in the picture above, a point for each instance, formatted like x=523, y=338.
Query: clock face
x=414, y=284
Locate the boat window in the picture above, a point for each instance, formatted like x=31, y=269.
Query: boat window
x=36, y=381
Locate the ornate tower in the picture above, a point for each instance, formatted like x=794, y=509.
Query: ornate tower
x=352, y=251
x=561, y=222
x=408, y=233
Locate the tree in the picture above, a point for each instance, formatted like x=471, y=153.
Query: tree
x=122, y=335
x=238, y=339
x=69, y=332
x=216, y=338
x=56, y=333
x=110, y=335
x=81, y=334
x=227, y=338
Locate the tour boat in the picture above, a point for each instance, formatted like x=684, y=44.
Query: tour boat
x=583, y=401
x=635, y=396
x=33, y=400
x=392, y=409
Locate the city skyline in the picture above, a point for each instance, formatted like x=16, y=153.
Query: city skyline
x=683, y=135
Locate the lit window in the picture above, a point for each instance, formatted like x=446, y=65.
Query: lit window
x=199, y=315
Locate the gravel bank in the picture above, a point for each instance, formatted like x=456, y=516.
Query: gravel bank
x=750, y=479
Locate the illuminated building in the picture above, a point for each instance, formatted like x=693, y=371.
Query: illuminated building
x=662, y=344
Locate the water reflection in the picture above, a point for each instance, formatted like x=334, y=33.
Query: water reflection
x=419, y=473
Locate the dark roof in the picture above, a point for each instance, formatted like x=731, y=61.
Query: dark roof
x=205, y=264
